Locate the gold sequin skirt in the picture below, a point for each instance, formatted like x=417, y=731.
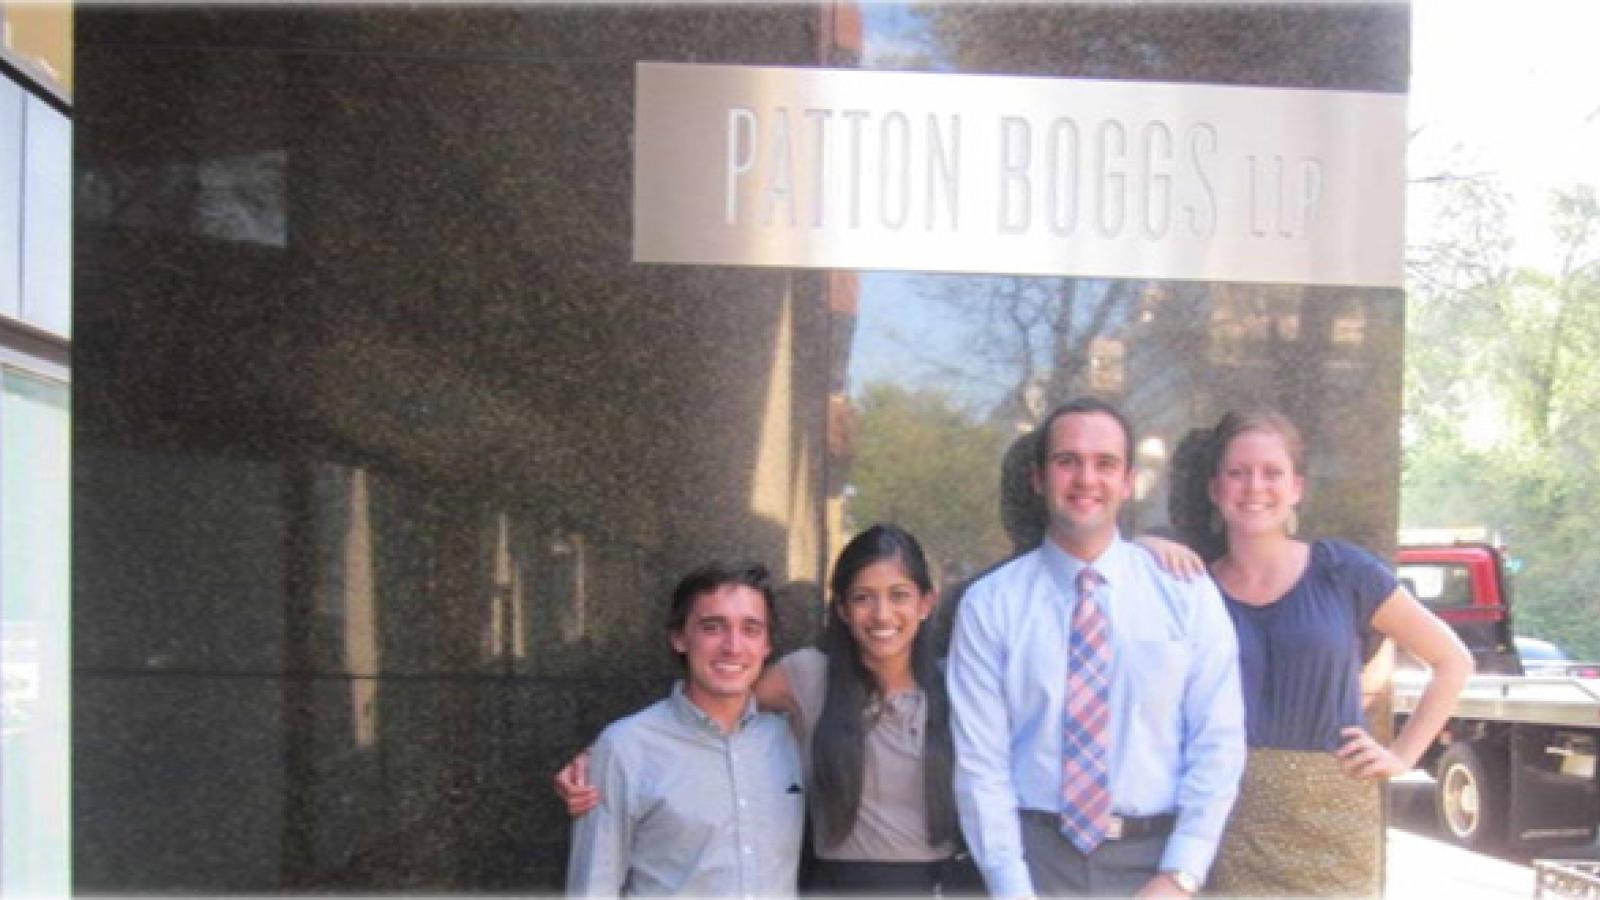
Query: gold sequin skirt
x=1301, y=827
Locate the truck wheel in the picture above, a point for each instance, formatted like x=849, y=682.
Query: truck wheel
x=1471, y=797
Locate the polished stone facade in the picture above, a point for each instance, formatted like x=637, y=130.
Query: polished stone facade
x=385, y=455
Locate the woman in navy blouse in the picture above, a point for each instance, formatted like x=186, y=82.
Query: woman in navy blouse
x=1308, y=818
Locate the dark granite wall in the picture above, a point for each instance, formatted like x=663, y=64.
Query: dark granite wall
x=385, y=455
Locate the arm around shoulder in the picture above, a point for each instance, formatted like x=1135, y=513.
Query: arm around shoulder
x=774, y=691
x=597, y=865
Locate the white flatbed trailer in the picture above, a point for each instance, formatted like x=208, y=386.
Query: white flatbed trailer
x=1536, y=699
x=1517, y=759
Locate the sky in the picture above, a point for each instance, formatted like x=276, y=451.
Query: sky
x=1509, y=88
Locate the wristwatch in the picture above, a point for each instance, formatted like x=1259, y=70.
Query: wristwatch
x=1185, y=882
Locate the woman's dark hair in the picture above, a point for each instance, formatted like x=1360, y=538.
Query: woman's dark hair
x=838, y=748
x=1188, y=500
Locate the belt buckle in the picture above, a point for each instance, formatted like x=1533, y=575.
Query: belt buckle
x=1114, y=828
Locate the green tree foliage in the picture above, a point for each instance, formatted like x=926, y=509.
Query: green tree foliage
x=1503, y=402
x=932, y=467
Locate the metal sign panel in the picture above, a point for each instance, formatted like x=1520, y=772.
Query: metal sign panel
x=848, y=169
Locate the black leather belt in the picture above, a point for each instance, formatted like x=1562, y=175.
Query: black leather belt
x=1122, y=828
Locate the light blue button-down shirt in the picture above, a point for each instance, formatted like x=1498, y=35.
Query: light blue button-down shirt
x=687, y=810
x=1177, y=719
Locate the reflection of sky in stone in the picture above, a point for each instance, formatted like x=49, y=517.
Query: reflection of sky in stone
x=900, y=336
x=908, y=335
x=895, y=35
x=903, y=338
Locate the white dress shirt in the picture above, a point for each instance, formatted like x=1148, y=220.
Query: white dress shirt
x=1177, y=719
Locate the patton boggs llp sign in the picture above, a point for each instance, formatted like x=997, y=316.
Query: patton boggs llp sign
x=845, y=169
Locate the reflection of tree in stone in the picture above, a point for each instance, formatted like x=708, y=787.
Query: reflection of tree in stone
x=1034, y=339
x=932, y=467
x=1176, y=355
x=235, y=198
x=1346, y=46
x=931, y=463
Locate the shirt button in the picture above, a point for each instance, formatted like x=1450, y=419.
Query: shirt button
x=743, y=804
x=748, y=851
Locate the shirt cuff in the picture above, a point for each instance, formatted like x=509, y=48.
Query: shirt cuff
x=1008, y=879
x=1188, y=854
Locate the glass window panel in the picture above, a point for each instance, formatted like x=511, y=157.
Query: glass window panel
x=34, y=748
x=1438, y=586
x=10, y=198
x=47, y=218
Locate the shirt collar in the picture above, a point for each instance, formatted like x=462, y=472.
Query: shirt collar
x=692, y=715
x=1064, y=567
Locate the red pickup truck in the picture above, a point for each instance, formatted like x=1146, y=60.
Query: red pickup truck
x=1517, y=760
x=1465, y=585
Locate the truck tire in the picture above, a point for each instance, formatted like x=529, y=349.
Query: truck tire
x=1471, y=798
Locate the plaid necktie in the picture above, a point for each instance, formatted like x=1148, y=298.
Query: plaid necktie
x=1085, y=744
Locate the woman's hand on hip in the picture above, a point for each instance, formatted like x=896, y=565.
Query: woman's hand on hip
x=1361, y=756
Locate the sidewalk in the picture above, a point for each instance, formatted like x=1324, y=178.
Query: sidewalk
x=1421, y=867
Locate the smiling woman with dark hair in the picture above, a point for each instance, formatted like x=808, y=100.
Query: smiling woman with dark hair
x=873, y=719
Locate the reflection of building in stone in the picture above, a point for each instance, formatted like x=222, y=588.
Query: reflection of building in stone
x=1243, y=325
x=785, y=481
x=1105, y=365
x=843, y=292
x=1310, y=352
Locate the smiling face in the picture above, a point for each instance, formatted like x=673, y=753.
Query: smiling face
x=1085, y=479
x=1256, y=486
x=724, y=641
x=883, y=608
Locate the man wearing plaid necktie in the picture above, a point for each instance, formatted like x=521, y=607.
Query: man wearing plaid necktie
x=1098, y=723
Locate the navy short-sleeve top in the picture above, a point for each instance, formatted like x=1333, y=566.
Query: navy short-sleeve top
x=1300, y=656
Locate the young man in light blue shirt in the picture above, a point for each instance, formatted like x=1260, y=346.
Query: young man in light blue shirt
x=1113, y=773
x=700, y=793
